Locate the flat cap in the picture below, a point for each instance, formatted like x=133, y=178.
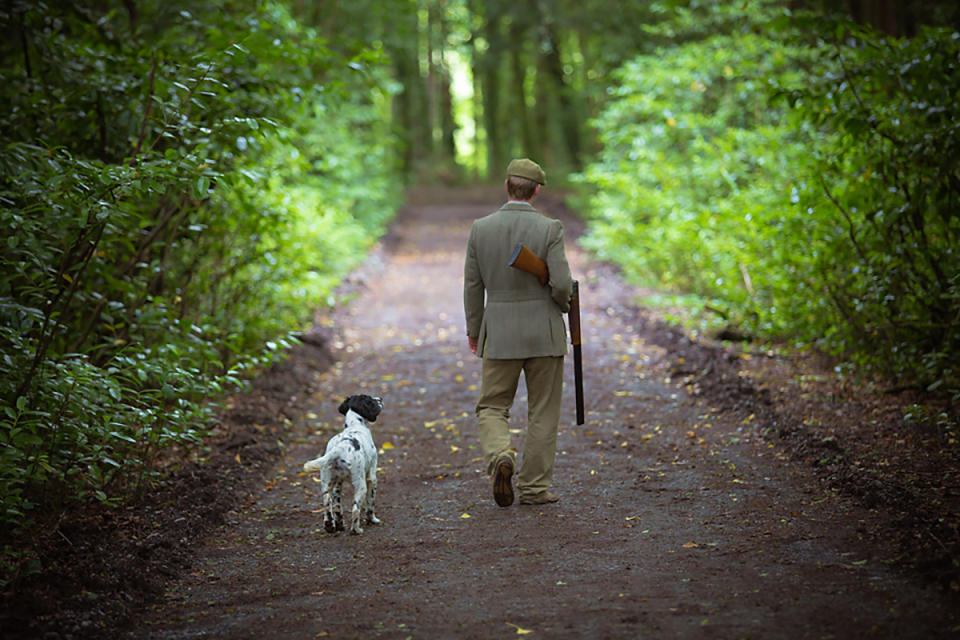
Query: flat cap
x=526, y=168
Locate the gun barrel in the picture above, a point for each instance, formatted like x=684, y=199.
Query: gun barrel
x=574, y=319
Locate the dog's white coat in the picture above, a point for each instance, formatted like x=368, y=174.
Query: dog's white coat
x=350, y=457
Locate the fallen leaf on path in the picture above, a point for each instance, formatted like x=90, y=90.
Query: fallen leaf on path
x=520, y=630
x=464, y=516
x=387, y=446
x=690, y=545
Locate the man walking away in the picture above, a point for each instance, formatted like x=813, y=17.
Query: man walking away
x=515, y=325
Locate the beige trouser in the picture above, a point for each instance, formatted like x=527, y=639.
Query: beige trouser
x=544, y=377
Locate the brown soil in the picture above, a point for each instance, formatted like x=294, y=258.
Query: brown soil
x=712, y=493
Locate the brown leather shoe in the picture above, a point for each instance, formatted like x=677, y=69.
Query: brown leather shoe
x=503, y=480
x=547, y=497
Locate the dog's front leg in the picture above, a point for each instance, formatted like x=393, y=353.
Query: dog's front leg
x=372, y=497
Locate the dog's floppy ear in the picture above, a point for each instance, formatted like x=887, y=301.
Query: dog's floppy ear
x=368, y=407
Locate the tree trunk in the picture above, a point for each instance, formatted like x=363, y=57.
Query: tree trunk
x=521, y=111
x=448, y=145
x=569, y=120
x=489, y=63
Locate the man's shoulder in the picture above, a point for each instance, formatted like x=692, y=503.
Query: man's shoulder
x=511, y=212
x=515, y=208
x=492, y=218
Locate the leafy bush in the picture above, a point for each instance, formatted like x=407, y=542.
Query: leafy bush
x=178, y=190
x=881, y=193
x=828, y=218
x=692, y=188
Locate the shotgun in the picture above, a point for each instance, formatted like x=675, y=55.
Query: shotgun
x=528, y=261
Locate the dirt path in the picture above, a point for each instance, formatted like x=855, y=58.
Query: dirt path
x=674, y=520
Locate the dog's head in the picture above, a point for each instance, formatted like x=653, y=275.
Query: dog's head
x=367, y=406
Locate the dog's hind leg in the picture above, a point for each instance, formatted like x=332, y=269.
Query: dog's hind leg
x=359, y=502
x=337, y=515
x=326, y=491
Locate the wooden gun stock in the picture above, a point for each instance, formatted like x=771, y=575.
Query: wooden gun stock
x=528, y=261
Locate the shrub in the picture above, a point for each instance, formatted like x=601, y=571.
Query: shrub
x=826, y=218
x=178, y=191
x=882, y=191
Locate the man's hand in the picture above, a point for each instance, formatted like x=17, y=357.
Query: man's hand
x=473, y=343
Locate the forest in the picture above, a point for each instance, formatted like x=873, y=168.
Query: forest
x=183, y=183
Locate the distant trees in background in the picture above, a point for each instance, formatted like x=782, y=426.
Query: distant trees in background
x=481, y=81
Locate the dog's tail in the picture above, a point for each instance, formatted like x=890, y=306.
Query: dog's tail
x=333, y=459
x=315, y=464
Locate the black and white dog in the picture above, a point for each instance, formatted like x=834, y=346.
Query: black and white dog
x=351, y=457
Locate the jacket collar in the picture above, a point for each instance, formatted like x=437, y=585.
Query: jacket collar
x=517, y=206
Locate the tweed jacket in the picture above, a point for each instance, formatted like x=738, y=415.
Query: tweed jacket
x=508, y=310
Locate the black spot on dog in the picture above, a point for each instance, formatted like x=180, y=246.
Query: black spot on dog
x=355, y=443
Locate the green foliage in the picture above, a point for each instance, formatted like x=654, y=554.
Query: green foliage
x=179, y=187
x=829, y=218
x=692, y=186
x=882, y=191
